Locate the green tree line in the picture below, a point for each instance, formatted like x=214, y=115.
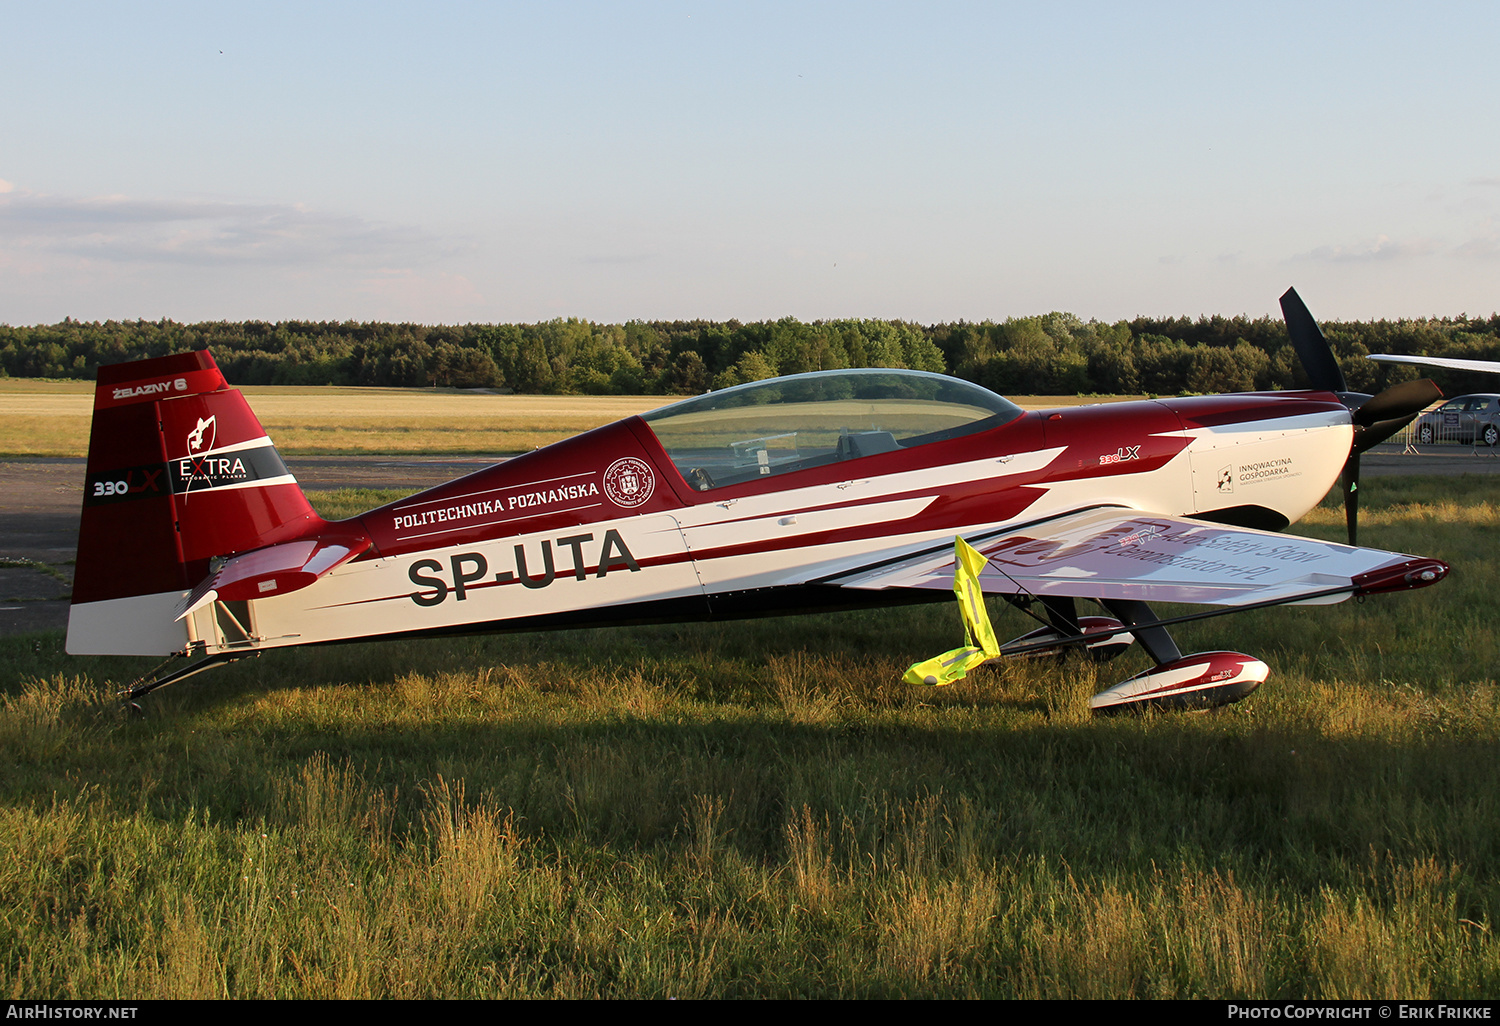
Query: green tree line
x=1051, y=354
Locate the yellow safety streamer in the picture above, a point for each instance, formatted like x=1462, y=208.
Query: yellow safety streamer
x=982, y=645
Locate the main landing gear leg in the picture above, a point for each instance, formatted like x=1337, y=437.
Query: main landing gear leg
x=1155, y=640
x=1177, y=682
x=1062, y=613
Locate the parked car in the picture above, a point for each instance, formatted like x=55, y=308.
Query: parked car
x=1469, y=419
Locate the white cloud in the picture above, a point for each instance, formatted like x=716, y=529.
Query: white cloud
x=1484, y=245
x=118, y=229
x=1478, y=249
x=1383, y=248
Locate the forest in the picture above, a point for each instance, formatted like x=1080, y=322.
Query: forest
x=1051, y=354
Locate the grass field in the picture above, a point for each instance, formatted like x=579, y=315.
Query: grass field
x=319, y=421
x=51, y=418
x=763, y=809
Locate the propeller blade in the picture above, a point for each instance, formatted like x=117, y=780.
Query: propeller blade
x=1312, y=348
x=1369, y=437
x=1404, y=400
x=1349, y=480
x=1376, y=418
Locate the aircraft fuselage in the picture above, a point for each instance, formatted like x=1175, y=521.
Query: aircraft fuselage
x=602, y=528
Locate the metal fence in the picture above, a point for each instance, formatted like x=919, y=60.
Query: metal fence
x=1434, y=431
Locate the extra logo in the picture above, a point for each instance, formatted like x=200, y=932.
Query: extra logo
x=629, y=482
x=1226, y=480
x=207, y=471
x=235, y=467
x=1129, y=452
x=1145, y=534
x=195, y=436
x=212, y=470
x=184, y=475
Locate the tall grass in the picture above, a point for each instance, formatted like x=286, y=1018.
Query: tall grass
x=763, y=809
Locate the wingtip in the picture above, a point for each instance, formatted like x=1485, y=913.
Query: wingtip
x=1413, y=573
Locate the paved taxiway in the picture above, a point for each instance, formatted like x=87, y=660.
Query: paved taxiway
x=41, y=500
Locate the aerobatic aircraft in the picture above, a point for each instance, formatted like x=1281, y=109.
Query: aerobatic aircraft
x=830, y=490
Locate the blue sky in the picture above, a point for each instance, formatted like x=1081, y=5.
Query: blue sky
x=454, y=162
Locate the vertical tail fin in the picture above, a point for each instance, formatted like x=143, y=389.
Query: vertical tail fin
x=179, y=472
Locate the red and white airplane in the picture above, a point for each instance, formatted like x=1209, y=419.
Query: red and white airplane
x=818, y=491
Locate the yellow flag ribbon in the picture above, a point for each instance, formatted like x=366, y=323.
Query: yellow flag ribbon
x=982, y=645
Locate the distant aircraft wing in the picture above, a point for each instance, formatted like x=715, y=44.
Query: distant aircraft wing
x=1114, y=553
x=1487, y=366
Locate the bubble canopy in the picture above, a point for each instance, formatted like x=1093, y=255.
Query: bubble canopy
x=806, y=420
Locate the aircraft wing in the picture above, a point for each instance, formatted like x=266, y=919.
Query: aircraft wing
x=1452, y=363
x=1114, y=553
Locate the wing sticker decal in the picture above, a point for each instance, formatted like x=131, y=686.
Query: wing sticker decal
x=1121, y=554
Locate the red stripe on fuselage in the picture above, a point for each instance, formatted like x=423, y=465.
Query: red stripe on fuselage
x=1106, y=441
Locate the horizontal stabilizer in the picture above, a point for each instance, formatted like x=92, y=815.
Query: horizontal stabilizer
x=276, y=570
